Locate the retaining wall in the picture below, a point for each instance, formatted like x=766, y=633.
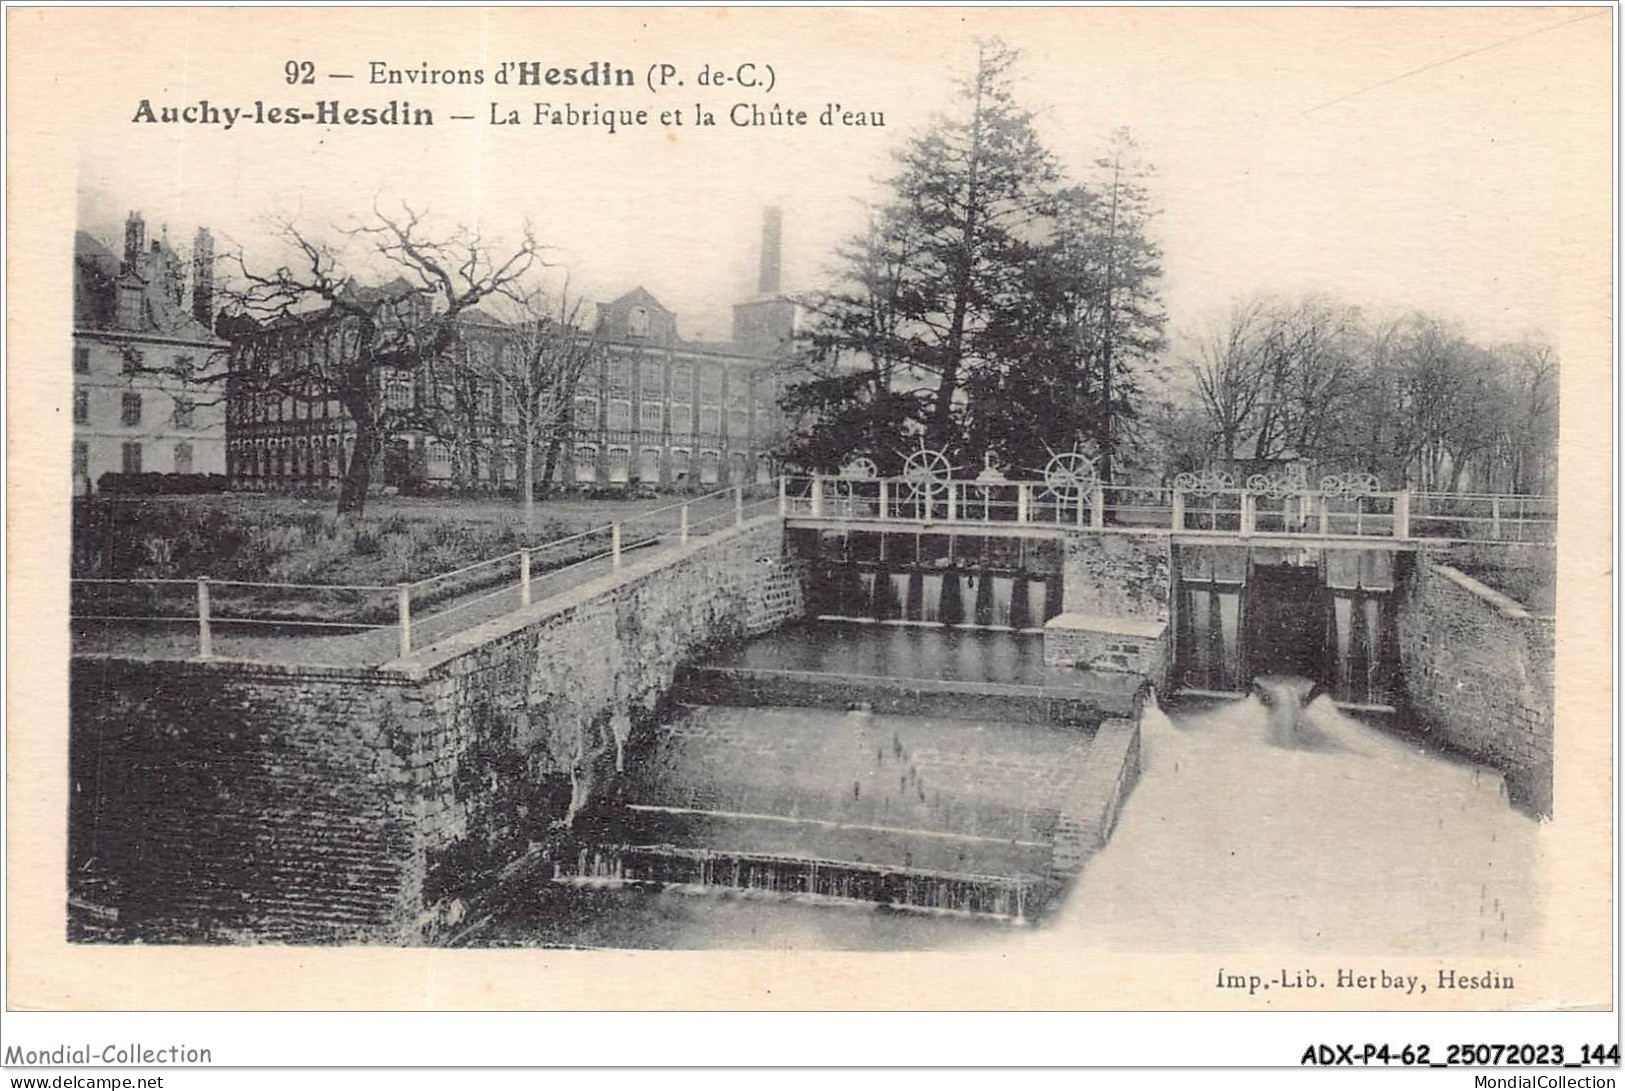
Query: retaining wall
x=1478, y=671
x=241, y=801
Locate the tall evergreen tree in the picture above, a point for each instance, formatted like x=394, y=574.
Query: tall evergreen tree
x=928, y=286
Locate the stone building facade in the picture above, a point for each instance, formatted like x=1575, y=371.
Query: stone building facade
x=143, y=355
x=650, y=409
x=661, y=411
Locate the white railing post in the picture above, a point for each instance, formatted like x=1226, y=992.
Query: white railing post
x=1248, y=514
x=883, y=512
x=615, y=545
x=1022, y=498
x=1097, y=507
x=1402, y=514
x=205, y=634
x=1325, y=516
x=1091, y=501
x=682, y=525
x=817, y=496
x=739, y=505
x=403, y=615
x=524, y=577
x=1179, y=511
x=953, y=502
x=1495, y=518
x=784, y=496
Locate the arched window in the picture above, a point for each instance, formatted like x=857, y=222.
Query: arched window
x=637, y=322
x=586, y=414
x=620, y=465
x=710, y=466
x=586, y=463
x=679, y=464
x=649, y=466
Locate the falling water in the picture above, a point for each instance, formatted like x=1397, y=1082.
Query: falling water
x=1349, y=836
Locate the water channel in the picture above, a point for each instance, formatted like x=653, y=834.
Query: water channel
x=1268, y=818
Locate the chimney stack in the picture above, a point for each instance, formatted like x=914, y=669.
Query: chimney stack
x=203, y=277
x=767, y=282
x=135, y=240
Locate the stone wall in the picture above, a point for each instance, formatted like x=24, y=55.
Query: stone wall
x=1478, y=671
x=219, y=801
x=1111, y=644
x=231, y=800
x=1121, y=575
x=1089, y=813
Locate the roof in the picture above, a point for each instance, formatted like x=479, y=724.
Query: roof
x=99, y=276
x=639, y=296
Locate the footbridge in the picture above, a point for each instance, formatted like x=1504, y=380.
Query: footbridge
x=1346, y=511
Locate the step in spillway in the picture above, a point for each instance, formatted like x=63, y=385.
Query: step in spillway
x=923, y=813
x=810, y=765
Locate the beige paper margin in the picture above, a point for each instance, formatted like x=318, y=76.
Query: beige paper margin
x=55, y=55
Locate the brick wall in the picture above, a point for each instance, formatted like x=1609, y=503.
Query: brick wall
x=221, y=801
x=1478, y=671
x=244, y=801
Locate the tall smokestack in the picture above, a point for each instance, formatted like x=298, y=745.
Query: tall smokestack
x=203, y=277
x=767, y=283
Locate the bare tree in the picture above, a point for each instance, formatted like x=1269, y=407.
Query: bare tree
x=1231, y=380
x=541, y=364
x=371, y=341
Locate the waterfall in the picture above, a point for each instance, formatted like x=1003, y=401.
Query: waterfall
x=931, y=598
x=1284, y=696
x=1343, y=617
x=900, y=597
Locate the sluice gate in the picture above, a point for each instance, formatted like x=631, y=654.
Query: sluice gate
x=1325, y=614
x=970, y=580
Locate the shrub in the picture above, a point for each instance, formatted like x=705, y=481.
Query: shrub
x=155, y=484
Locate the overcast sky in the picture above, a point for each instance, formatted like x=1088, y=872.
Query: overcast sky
x=1396, y=159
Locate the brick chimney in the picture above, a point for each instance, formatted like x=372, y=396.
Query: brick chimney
x=767, y=282
x=135, y=240
x=203, y=277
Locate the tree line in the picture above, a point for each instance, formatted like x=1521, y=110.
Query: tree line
x=996, y=309
x=1412, y=399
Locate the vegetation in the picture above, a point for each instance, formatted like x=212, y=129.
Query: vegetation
x=992, y=306
x=262, y=539
x=1413, y=400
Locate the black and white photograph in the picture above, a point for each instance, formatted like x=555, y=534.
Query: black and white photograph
x=1063, y=489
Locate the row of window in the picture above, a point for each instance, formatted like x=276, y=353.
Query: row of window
x=183, y=414
x=131, y=361
x=619, y=461
x=652, y=381
x=130, y=458
x=619, y=417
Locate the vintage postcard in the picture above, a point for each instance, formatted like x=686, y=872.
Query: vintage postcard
x=1081, y=508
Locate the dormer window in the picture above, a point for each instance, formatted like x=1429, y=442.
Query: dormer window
x=637, y=322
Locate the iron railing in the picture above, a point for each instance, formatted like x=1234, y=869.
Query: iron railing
x=1221, y=512
x=420, y=612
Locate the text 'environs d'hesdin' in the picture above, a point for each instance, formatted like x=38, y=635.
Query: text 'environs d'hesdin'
x=738, y=79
